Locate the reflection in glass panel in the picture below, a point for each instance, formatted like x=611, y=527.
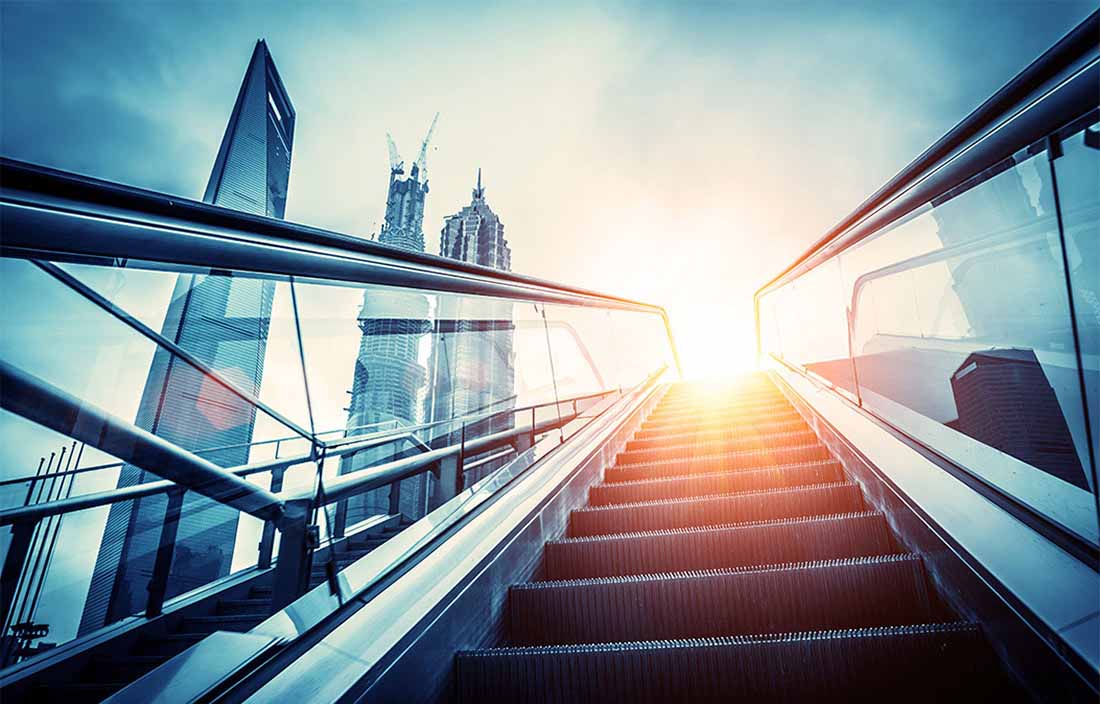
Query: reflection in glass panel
x=960, y=327
x=66, y=339
x=973, y=332
x=1078, y=173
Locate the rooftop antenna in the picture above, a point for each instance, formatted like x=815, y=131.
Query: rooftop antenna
x=422, y=160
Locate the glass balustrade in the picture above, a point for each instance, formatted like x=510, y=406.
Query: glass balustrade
x=291, y=382
x=957, y=324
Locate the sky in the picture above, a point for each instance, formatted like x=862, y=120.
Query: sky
x=680, y=154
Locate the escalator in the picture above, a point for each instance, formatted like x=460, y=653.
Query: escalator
x=726, y=555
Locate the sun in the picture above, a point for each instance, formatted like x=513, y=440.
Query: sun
x=711, y=345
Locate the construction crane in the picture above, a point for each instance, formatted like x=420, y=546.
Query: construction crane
x=396, y=165
x=422, y=160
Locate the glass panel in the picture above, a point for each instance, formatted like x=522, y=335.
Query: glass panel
x=962, y=337
x=961, y=333
x=380, y=359
x=241, y=325
x=103, y=563
x=1078, y=173
x=815, y=334
x=414, y=369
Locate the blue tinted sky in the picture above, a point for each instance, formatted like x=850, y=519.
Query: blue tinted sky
x=678, y=153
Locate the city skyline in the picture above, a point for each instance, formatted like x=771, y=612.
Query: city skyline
x=604, y=126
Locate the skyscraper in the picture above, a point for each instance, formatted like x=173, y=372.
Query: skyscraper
x=472, y=360
x=222, y=320
x=476, y=235
x=1005, y=401
x=388, y=376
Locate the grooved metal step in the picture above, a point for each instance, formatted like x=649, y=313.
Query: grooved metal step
x=741, y=507
x=716, y=562
x=708, y=464
x=713, y=483
x=703, y=422
x=847, y=593
x=646, y=439
x=670, y=450
x=715, y=547
x=740, y=401
x=925, y=663
x=729, y=412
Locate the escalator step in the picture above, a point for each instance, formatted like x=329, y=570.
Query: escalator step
x=730, y=404
x=657, y=439
x=848, y=593
x=732, y=414
x=760, y=543
x=926, y=663
x=706, y=422
x=713, y=483
x=718, y=462
x=671, y=451
x=731, y=411
x=659, y=471
x=709, y=395
x=742, y=507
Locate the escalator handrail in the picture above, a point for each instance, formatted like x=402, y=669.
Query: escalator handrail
x=202, y=475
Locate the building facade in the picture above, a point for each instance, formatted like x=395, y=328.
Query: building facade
x=222, y=320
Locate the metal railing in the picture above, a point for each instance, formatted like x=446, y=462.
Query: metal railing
x=62, y=230
x=290, y=512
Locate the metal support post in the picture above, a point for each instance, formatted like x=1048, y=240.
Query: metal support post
x=162, y=565
x=296, y=546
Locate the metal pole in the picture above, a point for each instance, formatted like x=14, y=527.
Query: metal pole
x=295, y=547
x=21, y=534
x=459, y=473
x=267, y=538
x=26, y=585
x=395, y=498
x=162, y=566
x=57, y=520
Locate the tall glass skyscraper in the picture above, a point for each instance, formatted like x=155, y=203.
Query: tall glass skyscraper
x=388, y=377
x=223, y=320
x=472, y=361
